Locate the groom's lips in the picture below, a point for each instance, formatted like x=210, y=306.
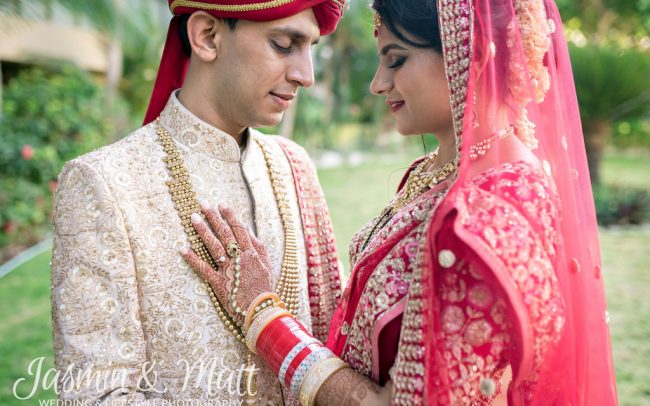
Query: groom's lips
x=283, y=99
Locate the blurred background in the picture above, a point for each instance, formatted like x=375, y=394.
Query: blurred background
x=76, y=75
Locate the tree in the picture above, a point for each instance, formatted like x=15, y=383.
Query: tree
x=611, y=84
x=610, y=64
x=136, y=35
x=603, y=19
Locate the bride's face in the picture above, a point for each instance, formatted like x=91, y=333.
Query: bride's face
x=413, y=81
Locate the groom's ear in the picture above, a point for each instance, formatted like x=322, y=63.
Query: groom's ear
x=205, y=33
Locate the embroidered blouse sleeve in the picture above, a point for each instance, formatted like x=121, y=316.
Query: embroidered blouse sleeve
x=95, y=309
x=471, y=336
x=473, y=328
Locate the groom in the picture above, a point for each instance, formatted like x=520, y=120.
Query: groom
x=124, y=303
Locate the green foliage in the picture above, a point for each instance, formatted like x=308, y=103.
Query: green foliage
x=344, y=66
x=610, y=83
x=139, y=28
x=627, y=17
x=632, y=134
x=49, y=117
x=616, y=204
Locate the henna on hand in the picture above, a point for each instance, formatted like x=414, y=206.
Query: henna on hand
x=239, y=230
x=254, y=274
x=216, y=280
x=212, y=243
x=258, y=279
x=347, y=387
x=261, y=249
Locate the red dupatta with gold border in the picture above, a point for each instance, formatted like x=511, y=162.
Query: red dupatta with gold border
x=323, y=274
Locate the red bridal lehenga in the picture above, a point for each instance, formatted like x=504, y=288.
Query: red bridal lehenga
x=498, y=264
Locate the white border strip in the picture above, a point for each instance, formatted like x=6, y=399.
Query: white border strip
x=25, y=256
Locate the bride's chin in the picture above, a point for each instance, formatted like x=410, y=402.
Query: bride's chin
x=406, y=130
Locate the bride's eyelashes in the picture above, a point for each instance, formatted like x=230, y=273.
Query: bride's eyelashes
x=399, y=61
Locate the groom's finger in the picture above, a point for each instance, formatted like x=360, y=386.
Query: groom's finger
x=220, y=227
x=239, y=230
x=205, y=271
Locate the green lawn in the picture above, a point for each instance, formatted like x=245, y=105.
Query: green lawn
x=355, y=194
x=627, y=169
x=25, y=331
x=626, y=265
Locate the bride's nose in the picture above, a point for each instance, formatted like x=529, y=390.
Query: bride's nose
x=381, y=83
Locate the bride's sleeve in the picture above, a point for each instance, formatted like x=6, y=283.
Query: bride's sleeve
x=465, y=346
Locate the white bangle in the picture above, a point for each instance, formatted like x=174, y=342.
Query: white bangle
x=307, y=364
x=260, y=322
x=311, y=343
x=315, y=378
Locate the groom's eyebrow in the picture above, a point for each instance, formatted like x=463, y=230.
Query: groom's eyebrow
x=388, y=47
x=296, y=36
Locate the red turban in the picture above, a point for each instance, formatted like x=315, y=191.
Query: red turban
x=174, y=62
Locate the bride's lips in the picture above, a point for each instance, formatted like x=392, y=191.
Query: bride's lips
x=282, y=99
x=395, y=104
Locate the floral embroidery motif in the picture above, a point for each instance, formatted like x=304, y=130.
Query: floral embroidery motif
x=473, y=329
x=389, y=282
x=122, y=295
x=530, y=204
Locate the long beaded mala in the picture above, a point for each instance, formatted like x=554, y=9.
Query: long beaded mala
x=185, y=202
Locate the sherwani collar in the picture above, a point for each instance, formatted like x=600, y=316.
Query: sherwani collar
x=198, y=136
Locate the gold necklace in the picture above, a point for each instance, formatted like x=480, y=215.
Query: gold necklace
x=288, y=283
x=184, y=198
x=418, y=180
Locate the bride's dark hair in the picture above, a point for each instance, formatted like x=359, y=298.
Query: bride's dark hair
x=418, y=19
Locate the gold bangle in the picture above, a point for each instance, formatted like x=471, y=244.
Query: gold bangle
x=252, y=310
x=316, y=376
x=260, y=322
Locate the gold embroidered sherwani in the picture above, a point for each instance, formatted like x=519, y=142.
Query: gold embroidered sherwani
x=124, y=300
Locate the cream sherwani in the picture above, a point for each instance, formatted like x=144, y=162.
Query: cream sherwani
x=123, y=299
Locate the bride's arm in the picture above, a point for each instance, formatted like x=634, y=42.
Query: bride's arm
x=347, y=387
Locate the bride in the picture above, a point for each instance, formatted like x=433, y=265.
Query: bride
x=486, y=258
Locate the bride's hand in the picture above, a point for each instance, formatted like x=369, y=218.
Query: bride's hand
x=231, y=242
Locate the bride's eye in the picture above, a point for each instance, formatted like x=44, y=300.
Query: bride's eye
x=399, y=61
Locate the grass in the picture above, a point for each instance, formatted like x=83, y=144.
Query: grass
x=630, y=169
x=355, y=195
x=626, y=265
x=25, y=331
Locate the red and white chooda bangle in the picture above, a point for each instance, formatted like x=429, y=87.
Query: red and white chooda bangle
x=299, y=360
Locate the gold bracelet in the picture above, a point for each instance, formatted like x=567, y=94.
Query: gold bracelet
x=260, y=322
x=260, y=303
x=316, y=376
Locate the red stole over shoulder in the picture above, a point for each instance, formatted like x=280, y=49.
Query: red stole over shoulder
x=323, y=277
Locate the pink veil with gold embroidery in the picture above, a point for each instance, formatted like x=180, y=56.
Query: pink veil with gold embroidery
x=508, y=67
